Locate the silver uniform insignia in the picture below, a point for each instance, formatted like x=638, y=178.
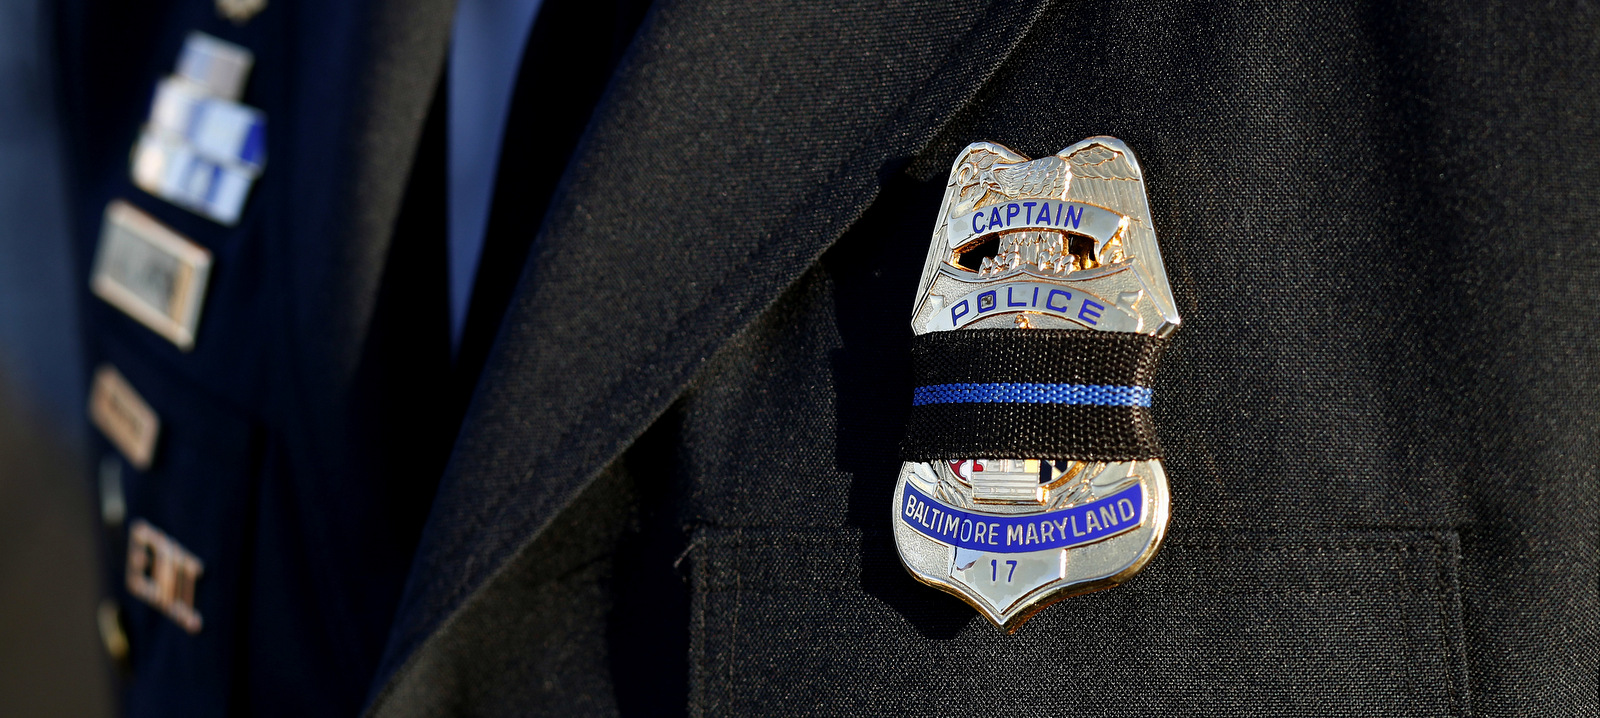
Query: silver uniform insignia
x=1031, y=469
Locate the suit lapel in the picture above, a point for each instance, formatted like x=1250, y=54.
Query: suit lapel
x=349, y=159
x=736, y=142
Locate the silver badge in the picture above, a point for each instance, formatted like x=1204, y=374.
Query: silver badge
x=1060, y=242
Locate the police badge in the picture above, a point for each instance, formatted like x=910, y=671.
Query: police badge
x=1031, y=467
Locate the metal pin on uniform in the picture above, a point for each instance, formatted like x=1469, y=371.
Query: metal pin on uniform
x=1031, y=468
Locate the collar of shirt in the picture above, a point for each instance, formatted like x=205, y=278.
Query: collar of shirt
x=486, y=49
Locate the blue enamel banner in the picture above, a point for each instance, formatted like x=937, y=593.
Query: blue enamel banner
x=1087, y=523
x=1098, y=222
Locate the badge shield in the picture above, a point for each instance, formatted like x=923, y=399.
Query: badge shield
x=1062, y=242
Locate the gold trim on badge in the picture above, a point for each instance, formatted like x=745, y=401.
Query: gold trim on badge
x=240, y=11
x=123, y=416
x=112, y=636
x=151, y=273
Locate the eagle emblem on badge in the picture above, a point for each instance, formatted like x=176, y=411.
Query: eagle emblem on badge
x=1031, y=469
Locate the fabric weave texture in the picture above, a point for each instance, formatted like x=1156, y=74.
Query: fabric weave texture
x=1032, y=394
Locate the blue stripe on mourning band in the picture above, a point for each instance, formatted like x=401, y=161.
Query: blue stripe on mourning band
x=1019, y=393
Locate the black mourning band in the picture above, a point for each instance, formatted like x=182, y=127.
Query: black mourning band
x=1032, y=394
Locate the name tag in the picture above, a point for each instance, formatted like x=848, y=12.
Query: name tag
x=151, y=273
x=123, y=416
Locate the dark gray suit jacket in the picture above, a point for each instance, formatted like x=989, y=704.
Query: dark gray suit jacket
x=672, y=490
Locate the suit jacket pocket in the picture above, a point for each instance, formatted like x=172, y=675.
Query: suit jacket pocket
x=818, y=622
